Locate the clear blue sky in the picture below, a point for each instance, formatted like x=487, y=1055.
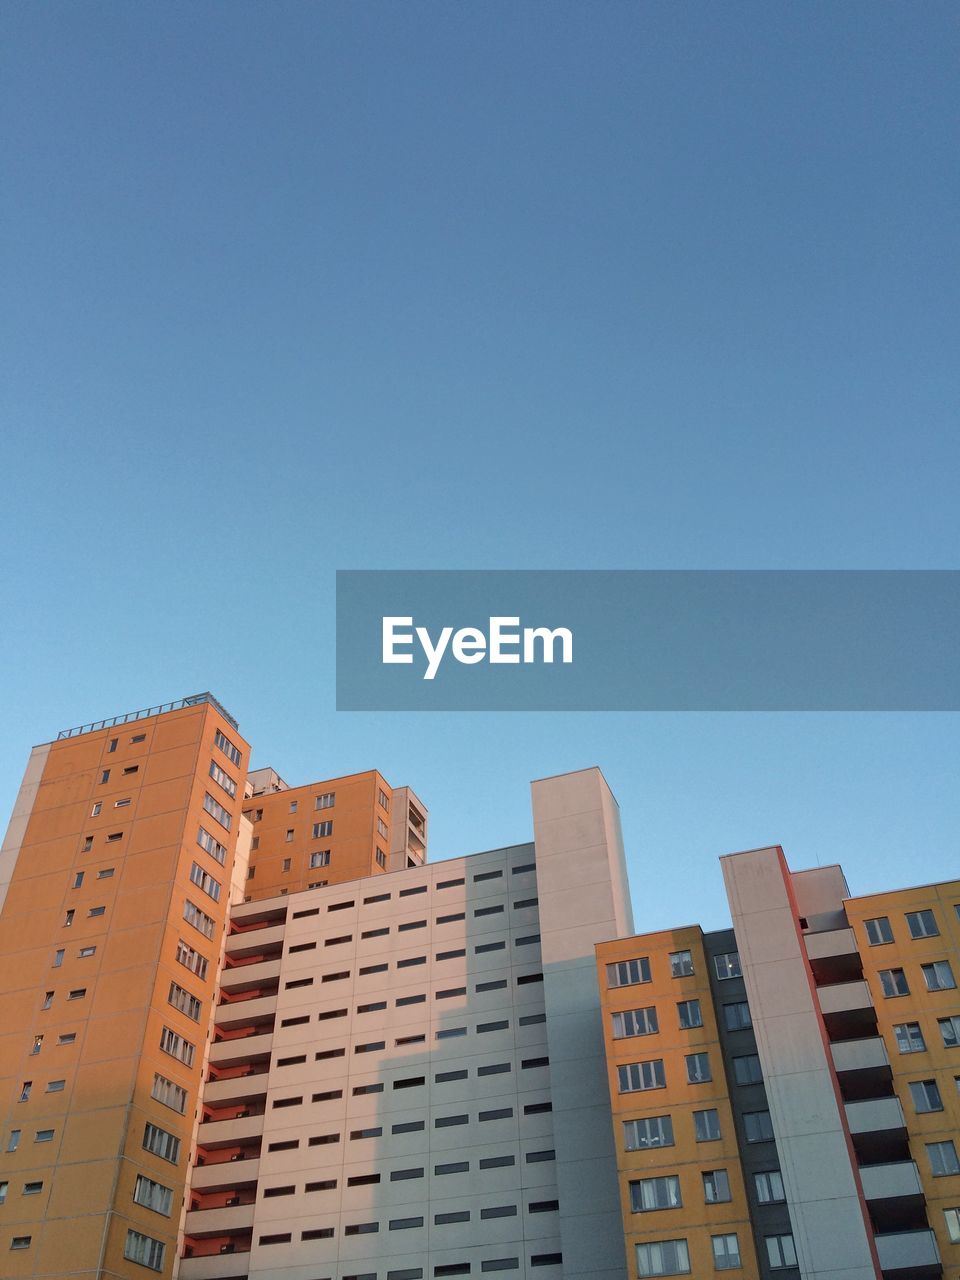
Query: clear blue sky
x=291, y=287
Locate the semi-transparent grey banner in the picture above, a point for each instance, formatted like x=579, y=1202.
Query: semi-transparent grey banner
x=658, y=640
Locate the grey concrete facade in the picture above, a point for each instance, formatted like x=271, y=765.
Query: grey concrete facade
x=831, y=1231
x=22, y=808
x=581, y=873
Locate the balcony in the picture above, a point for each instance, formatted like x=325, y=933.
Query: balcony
x=219, y=1222
x=254, y=941
x=216, y=1266
x=847, y=1009
x=863, y=1068
x=229, y=1133
x=233, y=1053
x=246, y=1013
x=878, y=1130
x=894, y=1196
x=833, y=956
x=229, y=1175
x=909, y=1255
x=242, y=1088
x=265, y=973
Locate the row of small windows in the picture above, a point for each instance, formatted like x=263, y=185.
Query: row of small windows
x=226, y=746
x=482, y=948
x=937, y=975
x=416, y=1273
x=65, y=1037
x=657, y=1131
x=92, y=913
x=342, y=975
x=440, y=1122
x=444, y=1219
x=628, y=973
x=648, y=1195
x=672, y=1257
x=416, y=889
x=40, y=1135
x=325, y=801
x=920, y=924
x=223, y=780
x=301, y=1020
x=634, y=1077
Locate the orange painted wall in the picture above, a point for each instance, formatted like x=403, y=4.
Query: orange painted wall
x=695, y=1221
x=936, y=1062
x=127, y=897
x=283, y=839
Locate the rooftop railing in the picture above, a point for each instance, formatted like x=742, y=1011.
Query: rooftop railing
x=132, y=716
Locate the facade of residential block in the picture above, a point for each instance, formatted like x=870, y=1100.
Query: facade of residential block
x=785, y=1095
x=249, y=1031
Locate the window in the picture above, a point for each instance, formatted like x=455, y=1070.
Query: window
x=952, y=1220
x=938, y=976
x=757, y=1126
x=665, y=1258
x=78, y=880
x=878, y=931
x=41, y=1135
x=769, y=1187
x=145, y=1250
x=96, y=911
x=223, y=780
x=321, y=829
x=780, y=1251
x=58, y=958
x=177, y=1047
x=635, y=1076
x=20, y=1242
x=288, y=838
x=681, y=964
x=14, y=1140
x=199, y=919
x=25, y=1091
x=112, y=745
x=68, y=918
x=37, y=1044
x=152, y=1195
x=689, y=1014
x=698, y=1068
x=716, y=1186
x=727, y=965
x=217, y=811
x=87, y=844
x=320, y=859
x=114, y=836
x=48, y=997
x=169, y=1094
x=105, y=873
x=77, y=993
x=950, y=1031
x=746, y=1070
x=926, y=1096
x=131, y=769
x=628, y=973
x=161, y=1143
x=121, y=804
x=226, y=746
x=706, y=1125
x=383, y=800
x=726, y=1252
x=893, y=982
x=191, y=959
x=56, y=1086
x=209, y=845
x=635, y=1022
x=909, y=1037
x=68, y=1037
x=382, y=829
x=138, y=737
x=943, y=1158
x=922, y=924
x=4, y=1188
x=184, y=1001
x=648, y=1194
x=326, y=801
x=204, y=881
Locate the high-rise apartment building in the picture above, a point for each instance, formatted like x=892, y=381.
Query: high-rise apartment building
x=249, y=1032
x=785, y=1095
